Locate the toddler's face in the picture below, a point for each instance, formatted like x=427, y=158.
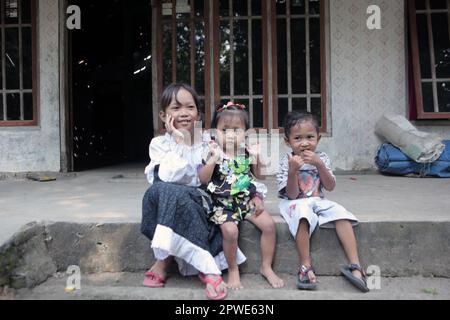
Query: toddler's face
x=184, y=112
x=303, y=137
x=230, y=132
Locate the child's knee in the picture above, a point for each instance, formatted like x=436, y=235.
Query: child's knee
x=230, y=231
x=269, y=226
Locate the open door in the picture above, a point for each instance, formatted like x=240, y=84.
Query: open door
x=111, y=88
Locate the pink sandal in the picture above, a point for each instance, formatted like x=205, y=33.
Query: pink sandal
x=152, y=280
x=207, y=280
x=202, y=277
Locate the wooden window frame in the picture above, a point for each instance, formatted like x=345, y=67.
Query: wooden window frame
x=417, y=74
x=4, y=91
x=323, y=66
x=191, y=20
x=157, y=66
x=250, y=96
x=212, y=66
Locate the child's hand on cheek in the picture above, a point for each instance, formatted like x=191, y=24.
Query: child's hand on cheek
x=170, y=128
x=295, y=163
x=311, y=158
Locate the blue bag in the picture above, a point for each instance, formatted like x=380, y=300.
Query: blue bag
x=392, y=160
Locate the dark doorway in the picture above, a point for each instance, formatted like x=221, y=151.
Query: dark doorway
x=111, y=83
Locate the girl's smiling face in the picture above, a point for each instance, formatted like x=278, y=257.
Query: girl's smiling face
x=303, y=136
x=230, y=131
x=183, y=110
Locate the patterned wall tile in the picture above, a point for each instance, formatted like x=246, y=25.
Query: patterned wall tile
x=367, y=76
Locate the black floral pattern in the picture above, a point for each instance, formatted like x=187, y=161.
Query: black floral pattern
x=231, y=188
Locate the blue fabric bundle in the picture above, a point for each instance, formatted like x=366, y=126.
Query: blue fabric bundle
x=392, y=160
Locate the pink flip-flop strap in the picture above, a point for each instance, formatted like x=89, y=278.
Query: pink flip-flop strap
x=208, y=280
x=154, y=276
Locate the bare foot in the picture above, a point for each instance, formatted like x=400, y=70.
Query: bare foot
x=312, y=277
x=275, y=281
x=357, y=274
x=159, y=269
x=234, y=279
x=214, y=292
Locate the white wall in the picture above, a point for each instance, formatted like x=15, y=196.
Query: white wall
x=368, y=78
x=37, y=148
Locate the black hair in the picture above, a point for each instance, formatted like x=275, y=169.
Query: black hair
x=294, y=118
x=172, y=91
x=230, y=110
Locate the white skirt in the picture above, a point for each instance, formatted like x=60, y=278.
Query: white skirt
x=191, y=259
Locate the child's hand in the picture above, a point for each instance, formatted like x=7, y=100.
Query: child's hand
x=258, y=204
x=254, y=151
x=170, y=128
x=295, y=163
x=311, y=158
x=214, y=152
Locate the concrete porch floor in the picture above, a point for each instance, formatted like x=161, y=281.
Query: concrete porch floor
x=113, y=194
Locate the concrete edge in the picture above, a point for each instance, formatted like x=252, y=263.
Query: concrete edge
x=395, y=249
x=24, y=259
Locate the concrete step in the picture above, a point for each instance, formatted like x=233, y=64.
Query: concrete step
x=127, y=286
x=96, y=196
x=397, y=249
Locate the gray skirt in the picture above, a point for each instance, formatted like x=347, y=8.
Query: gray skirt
x=183, y=210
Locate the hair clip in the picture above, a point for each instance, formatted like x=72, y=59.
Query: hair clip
x=223, y=107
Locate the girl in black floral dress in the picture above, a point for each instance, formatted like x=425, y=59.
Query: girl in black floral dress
x=228, y=173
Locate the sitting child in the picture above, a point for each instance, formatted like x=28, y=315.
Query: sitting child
x=174, y=210
x=303, y=174
x=229, y=178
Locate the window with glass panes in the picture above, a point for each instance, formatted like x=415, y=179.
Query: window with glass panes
x=182, y=42
x=430, y=51
x=268, y=55
x=300, y=58
x=240, y=56
x=17, y=99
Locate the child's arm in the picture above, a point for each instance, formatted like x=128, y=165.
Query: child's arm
x=257, y=171
x=257, y=163
x=206, y=172
x=259, y=167
x=326, y=178
x=172, y=159
x=292, y=188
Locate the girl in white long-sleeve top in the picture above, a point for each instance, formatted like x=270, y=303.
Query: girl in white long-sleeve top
x=175, y=209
